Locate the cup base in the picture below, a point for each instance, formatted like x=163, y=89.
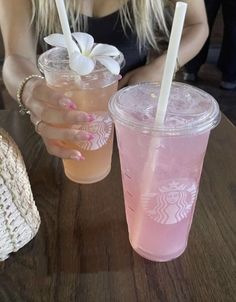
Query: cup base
x=152, y=257
x=87, y=180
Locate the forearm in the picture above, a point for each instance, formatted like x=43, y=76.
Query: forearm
x=195, y=30
x=192, y=42
x=193, y=39
x=15, y=69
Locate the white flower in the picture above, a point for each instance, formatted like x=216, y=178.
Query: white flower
x=86, y=53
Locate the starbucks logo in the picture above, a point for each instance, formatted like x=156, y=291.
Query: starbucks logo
x=172, y=202
x=101, y=128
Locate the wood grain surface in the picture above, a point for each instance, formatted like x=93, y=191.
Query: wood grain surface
x=82, y=251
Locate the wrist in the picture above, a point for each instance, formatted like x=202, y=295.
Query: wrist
x=24, y=91
x=160, y=63
x=28, y=89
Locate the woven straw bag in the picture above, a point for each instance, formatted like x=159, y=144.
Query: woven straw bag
x=19, y=217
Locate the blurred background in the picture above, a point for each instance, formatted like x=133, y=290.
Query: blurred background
x=209, y=76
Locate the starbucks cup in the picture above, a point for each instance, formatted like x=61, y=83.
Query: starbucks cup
x=90, y=93
x=160, y=190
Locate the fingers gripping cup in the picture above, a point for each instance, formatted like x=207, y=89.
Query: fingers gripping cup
x=90, y=93
x=160, y=192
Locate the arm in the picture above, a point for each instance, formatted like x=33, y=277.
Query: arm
x=45, y=104
x=20, y=46
x=195, y=31
x=194, y=36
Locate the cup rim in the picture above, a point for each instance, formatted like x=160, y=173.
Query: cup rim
x=211, y=120
x=44, y=62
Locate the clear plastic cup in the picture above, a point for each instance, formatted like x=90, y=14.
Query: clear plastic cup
x=91, y=94
x=161, y=184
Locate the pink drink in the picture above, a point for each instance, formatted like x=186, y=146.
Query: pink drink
x=91, y=94
x=160, y=195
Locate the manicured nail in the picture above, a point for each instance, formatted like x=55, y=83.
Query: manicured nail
x=91, y=117
x=72, y=106
x=90, y=136
x=67, y=103
x=77, y=157
x=85, y=117
x=119, y=77
x=84, y=136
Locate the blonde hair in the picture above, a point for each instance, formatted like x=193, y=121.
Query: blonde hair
x=150, y=19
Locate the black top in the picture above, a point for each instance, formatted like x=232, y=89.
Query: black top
x=109, y=30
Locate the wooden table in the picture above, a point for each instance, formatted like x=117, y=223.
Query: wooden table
x=82, y=251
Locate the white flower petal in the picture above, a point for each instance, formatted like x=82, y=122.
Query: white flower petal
x=56, y=40
x=85, y=42
x=81, y=64
x=104, y=50
x=109, y=63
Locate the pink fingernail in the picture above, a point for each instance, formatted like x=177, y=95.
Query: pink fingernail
x=90, y=136
x=72, y=106
x=119, y=77
x=77, y=157
x=67, y=103
x=90, y=117
x=84, y=136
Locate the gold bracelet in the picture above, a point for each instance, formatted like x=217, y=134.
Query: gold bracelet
x=22, y=109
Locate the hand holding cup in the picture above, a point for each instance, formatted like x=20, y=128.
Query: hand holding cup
x=50, y=110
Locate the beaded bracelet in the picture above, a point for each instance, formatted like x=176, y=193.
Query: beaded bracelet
x=22, y=109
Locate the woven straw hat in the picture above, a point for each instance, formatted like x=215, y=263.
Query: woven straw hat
x=19, y=217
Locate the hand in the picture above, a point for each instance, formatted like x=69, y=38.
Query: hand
x=151, y=72
x=52, y=108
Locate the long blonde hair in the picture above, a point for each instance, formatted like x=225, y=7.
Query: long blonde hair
x=148, y=18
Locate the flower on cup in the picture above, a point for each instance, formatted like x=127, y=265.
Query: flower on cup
x=86, y=53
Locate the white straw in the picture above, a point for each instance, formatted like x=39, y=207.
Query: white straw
x=171, y=59
x=65, y=26
x=153, y=155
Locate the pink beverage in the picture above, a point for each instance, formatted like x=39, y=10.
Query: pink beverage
x=91, y=94
x=160, y=191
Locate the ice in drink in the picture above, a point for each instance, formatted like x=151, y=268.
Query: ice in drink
x=159, y=209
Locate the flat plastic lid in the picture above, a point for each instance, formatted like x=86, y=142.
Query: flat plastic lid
x=190, y=110
x=57, y=59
